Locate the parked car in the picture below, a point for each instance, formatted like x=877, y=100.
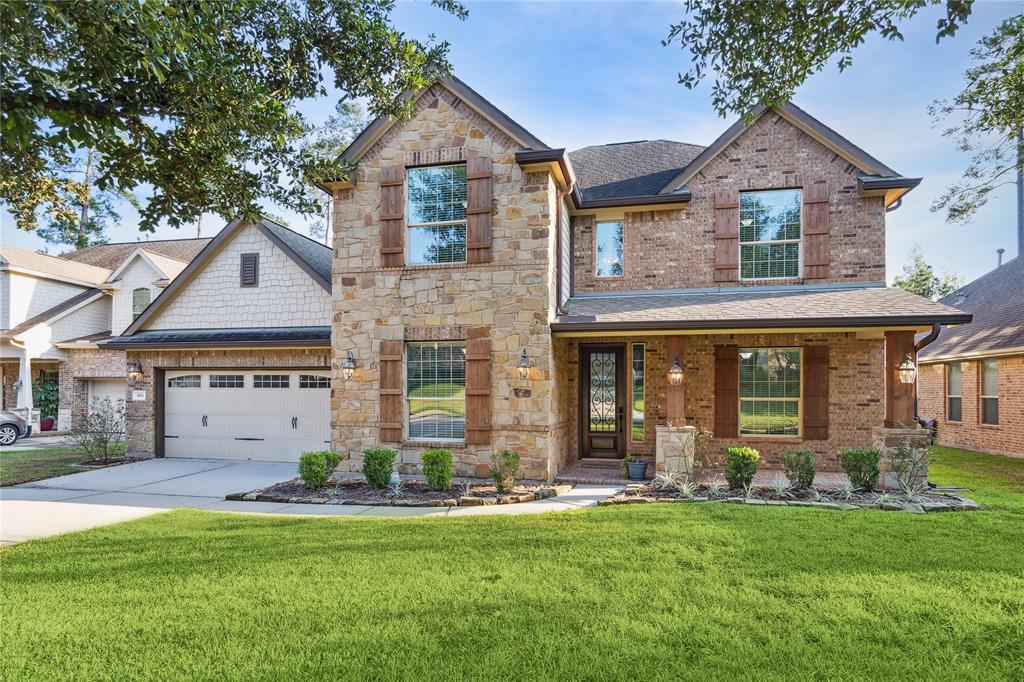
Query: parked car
x=12, y=427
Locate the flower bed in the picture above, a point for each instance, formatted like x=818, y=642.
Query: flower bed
x=413, y=494
x=836, y=499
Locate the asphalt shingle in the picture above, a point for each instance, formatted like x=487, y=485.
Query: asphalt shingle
x=630, y=169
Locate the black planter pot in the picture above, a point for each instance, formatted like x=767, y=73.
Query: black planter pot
x=637, y=470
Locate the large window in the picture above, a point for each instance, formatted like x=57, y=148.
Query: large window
x=437, y=214
x=140, y=299
x=639, y=393
x=770, y=391
x=770, y=234
x=990, y=391
x=435, y=385
x=608, y=252
x=954, y=401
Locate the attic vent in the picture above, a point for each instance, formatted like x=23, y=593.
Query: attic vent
x=250, y=270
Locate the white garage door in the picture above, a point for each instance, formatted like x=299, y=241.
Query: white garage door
x=107, y=388
x=246, y=414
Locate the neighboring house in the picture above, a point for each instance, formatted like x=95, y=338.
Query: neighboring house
x=491, y=292
x=55, y=310
x=972, y=377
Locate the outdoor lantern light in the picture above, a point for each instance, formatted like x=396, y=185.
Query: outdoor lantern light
x=675, y=375
x=134, y=371
x=907, y=370
x=524, y=366
x=348, y=368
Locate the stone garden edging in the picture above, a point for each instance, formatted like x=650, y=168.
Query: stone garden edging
x=462, y=501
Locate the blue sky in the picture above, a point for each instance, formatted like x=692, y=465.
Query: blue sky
x=577, y=73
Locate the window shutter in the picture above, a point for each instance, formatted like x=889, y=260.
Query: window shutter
x=478, y=388
x=478, y=210
x=727, y=235
x=392, y=216
x=727, y=391
x=815, y=392
x=391, y=382
x=815, y=231
x=250, y=270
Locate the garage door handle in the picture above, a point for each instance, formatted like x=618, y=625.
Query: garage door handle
x=204, y=420
x=295, y=422
x=237, y=438
x=170, y=436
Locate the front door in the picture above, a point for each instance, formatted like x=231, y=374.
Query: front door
x=602, y=401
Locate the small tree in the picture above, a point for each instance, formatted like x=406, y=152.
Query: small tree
x=99, y=430
x=919, y=277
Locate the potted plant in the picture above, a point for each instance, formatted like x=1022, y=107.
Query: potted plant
x=46, y=397
x=636, y=468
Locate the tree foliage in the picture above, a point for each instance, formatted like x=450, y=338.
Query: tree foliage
x=919, y=278
x=326, y=143
x=760, y=52
x=195, y=100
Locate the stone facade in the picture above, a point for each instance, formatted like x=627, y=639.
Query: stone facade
x=1007, y=437
x=675, y=249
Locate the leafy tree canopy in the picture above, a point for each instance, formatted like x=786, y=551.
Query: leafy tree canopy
x=919, y=278
x=760, y=52
x=194, y=101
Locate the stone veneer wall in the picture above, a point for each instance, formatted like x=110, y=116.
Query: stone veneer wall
x=141, y=425
x=675, y=249
x=1007, y=437
x=11, y=373
x=856, y=392
x=81, y=366
x=511, y=296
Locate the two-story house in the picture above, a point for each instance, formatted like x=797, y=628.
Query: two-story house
x=490, y=292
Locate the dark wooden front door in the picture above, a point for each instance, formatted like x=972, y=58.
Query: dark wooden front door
x=602, y=401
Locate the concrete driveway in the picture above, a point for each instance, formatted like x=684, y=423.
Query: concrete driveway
x=131, y=491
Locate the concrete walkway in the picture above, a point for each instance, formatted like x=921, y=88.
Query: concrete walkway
x=39, y=442
x=131, y=491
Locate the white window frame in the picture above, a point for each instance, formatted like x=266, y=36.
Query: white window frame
x=314, y=379
x=799, y=399
x=182, y=377
x=134, y=289
x=981, y=390
x=269, y=379
x=406, y=398
x=597, y=240
x=409, y=225
x=799, y=242
x=959, y=396
x=209, y=381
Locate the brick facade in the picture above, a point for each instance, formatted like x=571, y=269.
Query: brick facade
x=1005, y=438
x=80, y=367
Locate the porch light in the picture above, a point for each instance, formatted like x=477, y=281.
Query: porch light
x=524, y=366
x=134, y=371
x=907, y=370
x=675, y=374
x=348, y=368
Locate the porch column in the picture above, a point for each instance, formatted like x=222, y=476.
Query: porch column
x=25, y=392
x=675, y=406
x=899, y=397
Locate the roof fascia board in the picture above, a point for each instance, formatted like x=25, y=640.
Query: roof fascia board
x=49, y=275
x=137, y=253
x=290, y=252
x=874, y=331
x=215, y=345
x=968, y=355
x=916, y=321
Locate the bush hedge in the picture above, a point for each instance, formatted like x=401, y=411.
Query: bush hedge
x=377, y=464
x=315, y=467
x=861, y=466
x=437, y=468
x=800, y=468
x=740, y=466
x=504, y=468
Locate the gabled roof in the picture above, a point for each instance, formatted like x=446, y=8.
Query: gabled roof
x=629, y=169
x=996, y=300
x=58, y=310
x=168, y=267
x=313, y=257
x=55, y=267
x=111, y=256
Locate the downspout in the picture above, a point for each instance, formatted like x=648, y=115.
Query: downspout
x=899, y=202
x=558, y=227
x=929, y=338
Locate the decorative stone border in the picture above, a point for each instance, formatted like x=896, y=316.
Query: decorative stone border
x=956, y=503
x=464, y=501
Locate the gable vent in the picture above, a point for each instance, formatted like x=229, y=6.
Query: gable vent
x=250, y=269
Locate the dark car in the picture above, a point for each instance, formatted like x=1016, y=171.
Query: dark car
x=12, y=427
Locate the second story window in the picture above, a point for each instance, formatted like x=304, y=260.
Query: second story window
x=770, y=234
x=140, y=299
x=608, y=250
x=437, y=214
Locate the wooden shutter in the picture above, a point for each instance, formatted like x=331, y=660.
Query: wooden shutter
x=815, y=228
x=391, y=382
x=478, y=388
x=727, y=235
x=392, y=216
x=249, y=274
x=815, y=392
x=727, y=391
x=478, y=210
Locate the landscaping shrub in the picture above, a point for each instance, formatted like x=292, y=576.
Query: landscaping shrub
x=800, y=468
x=377, y=465
x=99, y=430
x=316, y=467
x=504, y=468
x=861, y=466
x=740, y=466
x=437, y=467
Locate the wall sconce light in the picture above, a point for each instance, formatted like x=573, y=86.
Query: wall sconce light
x=907, y=370
x=348, y=368
x=134, y=371
x=524, y=366
x=675, y=374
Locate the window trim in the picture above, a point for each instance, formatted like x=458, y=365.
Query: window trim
x=409, y=224
x=257, y=378
x=981, y=392
x=597, y=229
x=799, y=400
x=406, y=432
x=316, y=377
x=209, y=380
x=148, y=290
x=740, y=243
x=959, y=396
x=632, y=387
x=199, y=377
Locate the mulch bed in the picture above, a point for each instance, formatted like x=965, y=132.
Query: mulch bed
x=414, y=494
x=640, y=493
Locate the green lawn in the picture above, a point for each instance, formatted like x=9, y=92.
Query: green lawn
x=653, y=592
x=995, y=481
x=35, y=465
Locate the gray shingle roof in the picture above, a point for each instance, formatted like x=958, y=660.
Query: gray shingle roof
x=313, y=253
x=268, y=336
x=110, y=256
x=630, y=169
x=997, y=302
x=825, y=306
